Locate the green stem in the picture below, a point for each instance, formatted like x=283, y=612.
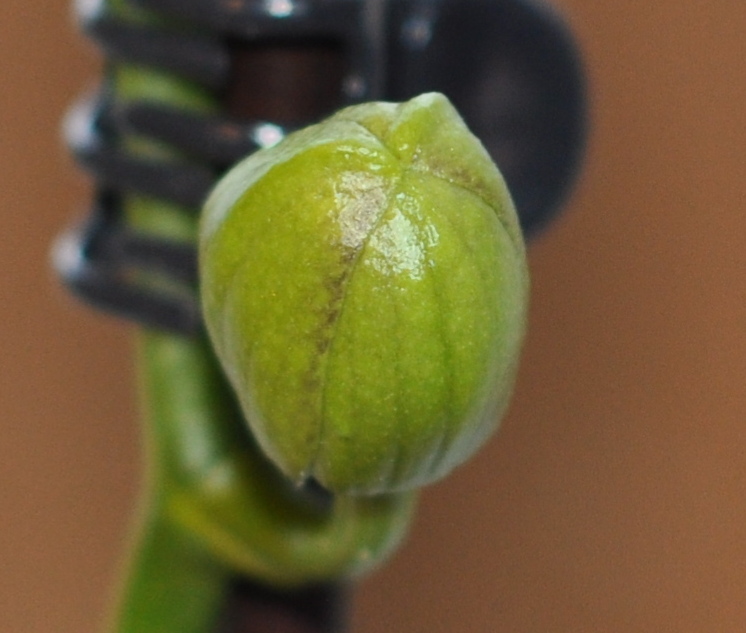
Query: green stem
x=172, y=586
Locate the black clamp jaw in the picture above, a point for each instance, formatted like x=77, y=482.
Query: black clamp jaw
x=509, y=66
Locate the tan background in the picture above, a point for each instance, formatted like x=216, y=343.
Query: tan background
x=613, y=500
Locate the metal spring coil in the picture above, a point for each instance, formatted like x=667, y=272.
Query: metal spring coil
x=524, y=96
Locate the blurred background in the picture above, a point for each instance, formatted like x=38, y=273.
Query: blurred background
x=614, y=497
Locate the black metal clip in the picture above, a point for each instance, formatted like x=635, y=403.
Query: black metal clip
x=509, y=66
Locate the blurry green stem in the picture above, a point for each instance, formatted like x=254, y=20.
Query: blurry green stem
x=214, y=508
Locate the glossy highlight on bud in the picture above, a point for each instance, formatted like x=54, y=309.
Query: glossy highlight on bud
x=365, y=288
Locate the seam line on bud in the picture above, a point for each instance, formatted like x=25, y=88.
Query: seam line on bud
x=344, y=285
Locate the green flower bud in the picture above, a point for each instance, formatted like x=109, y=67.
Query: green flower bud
x=364, y=285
